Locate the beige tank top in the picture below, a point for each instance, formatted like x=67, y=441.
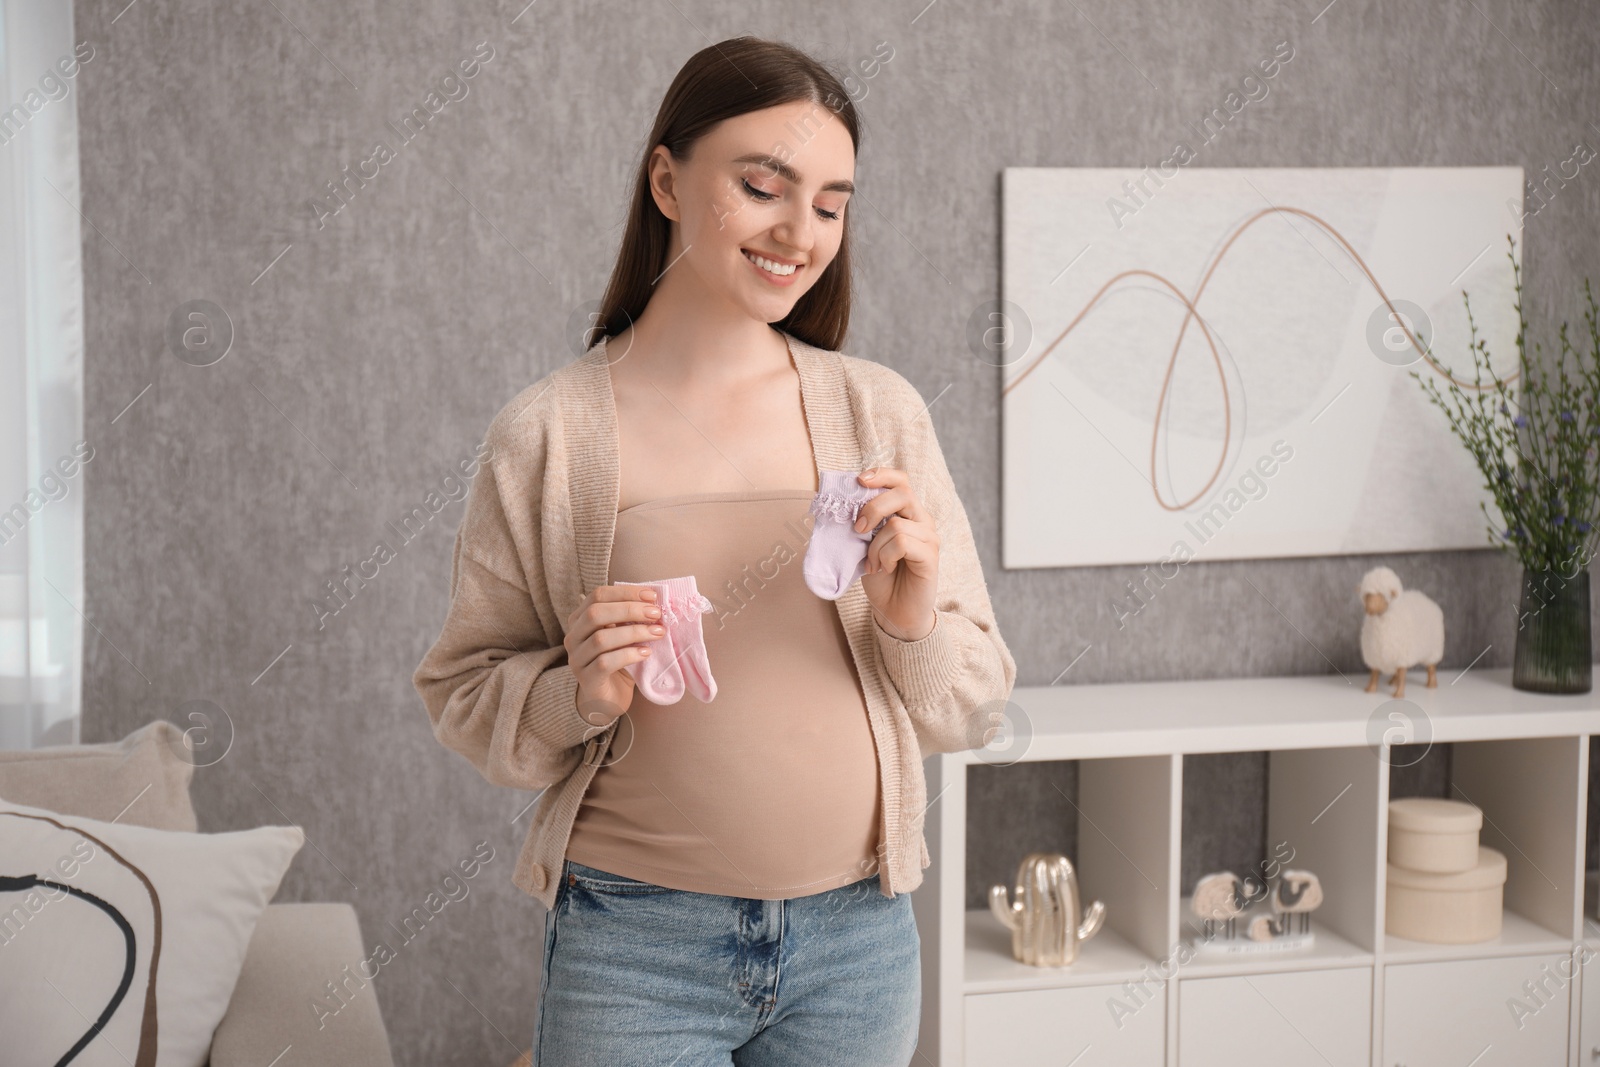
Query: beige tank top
x=771, y=790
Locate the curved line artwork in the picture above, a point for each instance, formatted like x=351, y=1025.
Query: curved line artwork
x=1193, y=312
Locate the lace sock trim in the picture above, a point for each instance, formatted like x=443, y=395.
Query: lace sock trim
x=841, y=508
x=679, y=609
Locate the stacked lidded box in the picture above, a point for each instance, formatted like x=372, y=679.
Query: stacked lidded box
x=1443, y=887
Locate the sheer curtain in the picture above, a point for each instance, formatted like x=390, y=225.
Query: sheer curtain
x=42, y=441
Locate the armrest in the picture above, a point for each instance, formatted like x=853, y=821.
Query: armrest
x=302, y=987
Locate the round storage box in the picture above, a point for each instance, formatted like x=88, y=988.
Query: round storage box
x=1428, y=834
x=1448, y=909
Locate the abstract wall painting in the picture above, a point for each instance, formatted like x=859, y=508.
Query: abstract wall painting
x=1217, y=364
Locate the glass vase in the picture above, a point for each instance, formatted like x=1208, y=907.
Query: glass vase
x=1553, y=650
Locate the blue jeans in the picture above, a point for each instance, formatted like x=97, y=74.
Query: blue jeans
x=636, y=975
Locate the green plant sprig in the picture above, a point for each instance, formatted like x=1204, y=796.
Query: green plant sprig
x=1538, y=450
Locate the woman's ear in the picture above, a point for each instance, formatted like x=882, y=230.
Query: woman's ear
x=663, y=181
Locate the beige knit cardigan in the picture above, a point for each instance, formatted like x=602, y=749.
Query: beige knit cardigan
x=536, y=538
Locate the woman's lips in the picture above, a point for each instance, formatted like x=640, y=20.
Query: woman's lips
x=771, y=278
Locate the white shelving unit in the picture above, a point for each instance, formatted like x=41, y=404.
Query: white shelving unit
x=1139, y=997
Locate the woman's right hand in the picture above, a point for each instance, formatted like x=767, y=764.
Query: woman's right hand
x=605, y=634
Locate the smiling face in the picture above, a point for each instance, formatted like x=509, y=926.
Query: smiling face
x=758, y=207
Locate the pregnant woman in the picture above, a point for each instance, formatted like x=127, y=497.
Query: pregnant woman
x=727, y=865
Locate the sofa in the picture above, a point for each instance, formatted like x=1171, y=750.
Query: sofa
x=143, y=780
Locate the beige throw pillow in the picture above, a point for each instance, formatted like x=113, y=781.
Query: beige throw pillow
x=144, y=779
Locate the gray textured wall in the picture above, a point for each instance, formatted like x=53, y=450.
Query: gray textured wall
x=370, y=349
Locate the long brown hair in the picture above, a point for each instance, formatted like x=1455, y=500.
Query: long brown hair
x=718, y=82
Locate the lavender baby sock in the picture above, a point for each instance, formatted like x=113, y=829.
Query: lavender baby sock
x=658, y=675
x=837, y=555
x=684, y=606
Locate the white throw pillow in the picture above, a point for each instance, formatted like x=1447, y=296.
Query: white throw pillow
x=65, y=960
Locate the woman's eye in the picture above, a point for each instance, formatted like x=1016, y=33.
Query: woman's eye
x=762, y=195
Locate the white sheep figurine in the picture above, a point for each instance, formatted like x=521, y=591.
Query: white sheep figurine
x=1402, y=629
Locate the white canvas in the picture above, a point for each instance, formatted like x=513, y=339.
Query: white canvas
x=1326, y=444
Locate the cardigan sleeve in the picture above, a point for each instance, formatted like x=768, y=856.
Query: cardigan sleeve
x=955, y=679
x=496, y=684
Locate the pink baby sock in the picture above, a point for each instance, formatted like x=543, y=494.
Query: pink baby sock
x=658, y=675
x=837, y=555
x=685, y=605
x=682, y=650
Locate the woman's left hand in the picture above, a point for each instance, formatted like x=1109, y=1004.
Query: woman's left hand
x=902, y=566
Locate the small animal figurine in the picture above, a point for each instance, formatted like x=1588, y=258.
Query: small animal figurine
x=1268, y=910
x=1297, y=893
x=1216, y=901
x=1403, y=628
x=1267, y=927
x=1222, y=898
